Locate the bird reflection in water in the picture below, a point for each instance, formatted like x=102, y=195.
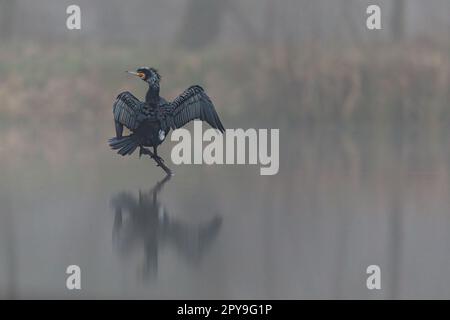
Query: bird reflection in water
x=145, y=222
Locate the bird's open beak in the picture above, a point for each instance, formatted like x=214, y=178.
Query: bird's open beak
x=138, y=74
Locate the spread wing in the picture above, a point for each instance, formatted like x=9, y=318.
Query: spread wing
x=129, y=111
x=192, y=104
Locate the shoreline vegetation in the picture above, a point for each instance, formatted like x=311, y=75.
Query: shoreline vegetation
x=380, y=83
x=63, y=94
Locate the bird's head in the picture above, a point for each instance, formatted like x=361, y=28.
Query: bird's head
x=147, y=74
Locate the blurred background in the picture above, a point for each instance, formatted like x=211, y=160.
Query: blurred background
x=364, y=155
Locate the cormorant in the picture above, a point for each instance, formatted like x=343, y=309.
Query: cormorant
x=151, y=121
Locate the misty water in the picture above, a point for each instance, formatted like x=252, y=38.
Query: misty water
x=343, y=199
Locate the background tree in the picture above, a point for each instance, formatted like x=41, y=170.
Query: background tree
x=7, y=9
x=201, y=23
x=203, y=20
x=398, y=19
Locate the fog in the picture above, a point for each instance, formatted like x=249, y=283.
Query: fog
x=364, y=172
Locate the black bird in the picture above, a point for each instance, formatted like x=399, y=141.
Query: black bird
x=150, y=121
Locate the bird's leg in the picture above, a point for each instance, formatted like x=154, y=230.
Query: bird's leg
x=155, y=152
x=152, y=155
x=143, y=150
x=157, y=159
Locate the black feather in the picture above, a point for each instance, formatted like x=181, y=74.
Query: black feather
x=193, y=104
x=146, y=119
x=125, y=145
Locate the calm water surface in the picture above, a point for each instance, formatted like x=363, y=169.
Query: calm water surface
x=343, y=200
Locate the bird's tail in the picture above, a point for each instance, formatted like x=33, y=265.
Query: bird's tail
x=125, y=145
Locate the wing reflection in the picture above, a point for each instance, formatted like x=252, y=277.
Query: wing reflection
x=145, y=222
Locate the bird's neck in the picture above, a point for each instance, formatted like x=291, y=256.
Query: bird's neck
x=152, y=96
